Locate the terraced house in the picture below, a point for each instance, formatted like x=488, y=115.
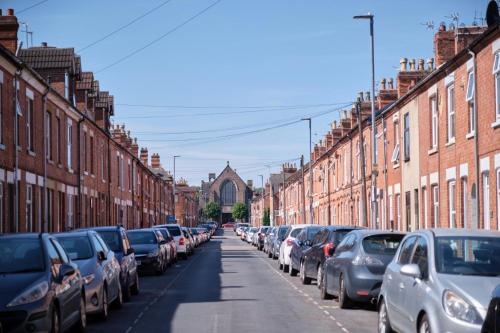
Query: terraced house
x=85, y=172
x=437, y=145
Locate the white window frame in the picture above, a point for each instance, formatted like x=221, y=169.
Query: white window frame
x=452, y=204
x=69, y=144
x=434, y=121
x=406, y=140
x=396, y=151
x=425, y=206
x=29, y=208
x=470, y=86
x=48, y=136
x=486, y=200
x=29, y=122
x=435, y=205
x=70, y=203
x=398, y=210
x=496, y=73
x=451, y=114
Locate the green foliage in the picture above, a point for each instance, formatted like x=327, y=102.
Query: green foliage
x=266, y=219
x=212, y=210
x=240, y=211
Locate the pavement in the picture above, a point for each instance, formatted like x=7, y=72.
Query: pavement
x=229, y=286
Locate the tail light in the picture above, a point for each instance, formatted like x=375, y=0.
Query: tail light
x=328, y=249
x=181, y=241
x=289, y=242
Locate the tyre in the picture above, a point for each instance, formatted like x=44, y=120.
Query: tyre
x=126, y=291
x=280, y=265
x=103, y=315
x=135, y=289
x=269, y=254
x=424, y=326
x=384, y=325
x=55, y=326
x=292, y=271
x=303, y=278
x=118, y=302
x=344, y=300
x=286, y=268
x=323, y=293
x=81, y=324
x=319, y=276
x=159, y=269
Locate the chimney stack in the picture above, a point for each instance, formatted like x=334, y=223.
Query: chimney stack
x=421, y=63
x=382, y=84
x=155, y=161
x=8, y=30
x=412, y=65
x=403, y=62
x=144, y=156
x=134, y=148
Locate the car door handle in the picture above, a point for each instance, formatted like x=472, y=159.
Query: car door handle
x=401, y=285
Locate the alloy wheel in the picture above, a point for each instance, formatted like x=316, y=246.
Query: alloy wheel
x=105, y=305
x=319, y=276
x=424, y=326
x=382, y=319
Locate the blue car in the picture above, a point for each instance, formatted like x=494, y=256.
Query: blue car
x=41, y=288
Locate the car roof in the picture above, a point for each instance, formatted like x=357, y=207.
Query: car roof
x=463, y=232
x=372, y=232
x=143, y=229
x=107, y=228
x=168, y=225
x=294, y=226
x=25, y=235
x=74, y=233
x=343, y=227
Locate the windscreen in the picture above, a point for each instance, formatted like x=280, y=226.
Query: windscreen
x=174, y=230
x=77, y=248
x=294, y=233
x=20, y=255
x=311, y=232
x=141, y=237
x=112, y=239
x=382, y=244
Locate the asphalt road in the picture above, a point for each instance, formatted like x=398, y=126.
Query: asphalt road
x=229, y=286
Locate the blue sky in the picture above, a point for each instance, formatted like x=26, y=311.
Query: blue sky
x=237, y=55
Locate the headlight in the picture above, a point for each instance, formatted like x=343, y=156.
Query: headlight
x=456, y=307
x=30, y=295
x=153, y=254
x=88, y=279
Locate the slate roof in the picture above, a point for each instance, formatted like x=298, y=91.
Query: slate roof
x=50, y=58
x=86, y=81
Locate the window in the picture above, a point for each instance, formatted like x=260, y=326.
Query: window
x=451, y=112
x=406, y=251
x=398, y=211
x=395, y=153
x=58, y=140
x=496, y=73
x=1, y=108
x=69, y=144
x=29, y=208
x=66, y=85
x=425, y=213
x=452, y=213
x=486, y=201
x=48, y=135
x=406, y=136
x=420, y=257
x=471, y=119
x=70, y=199
x=435, y=206
x=1, y=206
x=434, y=122
x=228, y=193
x=470, y=87
x=30, y=127
x=408, y=210
x=465, y=202
x=498, y=199
x=92, y=155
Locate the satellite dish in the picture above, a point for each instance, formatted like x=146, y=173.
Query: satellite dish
x=492, y=16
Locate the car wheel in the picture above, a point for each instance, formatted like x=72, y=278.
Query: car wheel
x=81, y=324
x=303, y=278
x=292, y=271
x=424, y=326
x=286, y=268
x=269, y=254
x=280, y=265
x=55, y=326
x=126, y=292
x=384, y=325
x=319, y=276
x=323, y=294
x=135, y=287
x=344, y=301
x=105, y=306
x=118, y=302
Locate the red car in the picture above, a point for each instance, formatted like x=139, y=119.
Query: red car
x=228, y=225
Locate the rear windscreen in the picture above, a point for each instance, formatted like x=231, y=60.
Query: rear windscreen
x=174, y=231
x=295, y=232
x=382, y=244
x=337, y=236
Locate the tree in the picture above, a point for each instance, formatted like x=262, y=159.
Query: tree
x=212, y=210
x=266, y=219
x=240, y=211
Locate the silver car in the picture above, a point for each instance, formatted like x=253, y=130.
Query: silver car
x=440, y=280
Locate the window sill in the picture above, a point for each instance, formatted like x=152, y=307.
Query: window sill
x=31, y=153
x=496, y=124
x=59, y=165
x=450, y=143
x=51, y=162
x=432, y=151
x=2, y=146
x=470, y=135
x=395, y=166
x=85, y=173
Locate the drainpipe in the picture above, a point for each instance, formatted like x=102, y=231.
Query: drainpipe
x=351, y=180
x=363, y=217
x=45, y=212
x=109, y=180
x=476, y=142
x=80, y=186
x=385, y=173
x=16, y=153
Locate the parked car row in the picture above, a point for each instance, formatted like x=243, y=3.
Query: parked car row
x=435, y=280
x=52, y=282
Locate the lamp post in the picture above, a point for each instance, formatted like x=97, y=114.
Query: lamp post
x=263, y=200
x=311, y=213
x=374, y=223
x=175, y=156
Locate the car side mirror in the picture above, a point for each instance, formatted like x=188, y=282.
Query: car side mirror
x=101, y=256
x=65, y=270
x=411, y=270
x=130, y=251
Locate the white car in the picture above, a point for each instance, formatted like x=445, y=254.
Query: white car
x=286, y=246
x=250, y=234
x=180, y=241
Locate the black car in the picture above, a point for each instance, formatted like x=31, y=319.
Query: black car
x=148, y=248
x=323, y=246
x=41, y=290
x=99, y=268
x=279, y=237
x=117, y=240
x=300, y=246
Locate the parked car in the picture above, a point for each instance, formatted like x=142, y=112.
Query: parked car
x=171, y=246
x=189, y=240
x=36, y=276
x=286, y=246
x=117, y=241
x=148, y=250
x=243, y=235
x=180, y=241
x=440, y=280
x=323, y=247
x=228, y=225
x=268, y=240
x=239, y=226
x=492, y=322
x=278, y=238
x=250, y=233
x=356, y=269
x=99, y=268
x=300, y=246
x=166, y=244
x=261, y=234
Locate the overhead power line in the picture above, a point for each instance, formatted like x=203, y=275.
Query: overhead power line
x=227, y=106
x=32, y=6
x=154, y=41
x=128, y=24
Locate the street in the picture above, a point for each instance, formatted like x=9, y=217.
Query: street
x=229, y=286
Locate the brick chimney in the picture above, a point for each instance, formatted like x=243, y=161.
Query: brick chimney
x=144, y=156
x=409, y=77
x=155, y=161
x=387, y=94
x=134, y=148
x=8, y=30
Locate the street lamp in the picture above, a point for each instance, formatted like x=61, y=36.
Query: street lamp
x=262, y=196
x=311, y=213
x=370, y=17
x=175, y=156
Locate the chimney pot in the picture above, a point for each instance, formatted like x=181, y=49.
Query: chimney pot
x=390, y=84
x=403, y=62
x=430, y=64
x=10, y=12
x=421, y=65
x=382, y=84
x=360, y=96
x=412, y=65
x=44, y=44
x=442, y=26
x=368, y=97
